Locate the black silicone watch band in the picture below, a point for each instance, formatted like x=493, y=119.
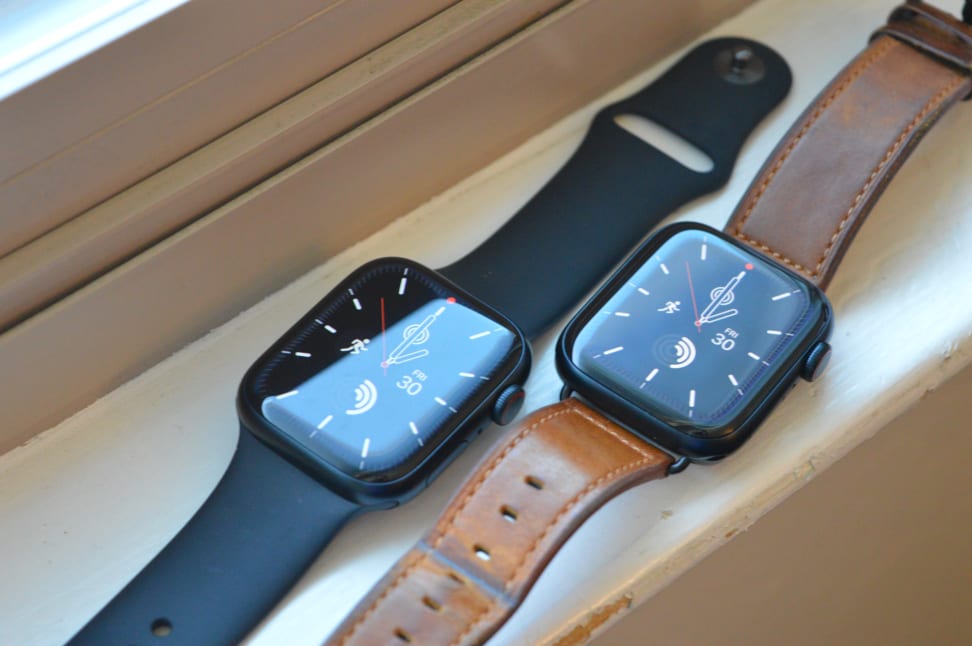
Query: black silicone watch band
x=616, y=187
x=266, y=521
x=261, y=528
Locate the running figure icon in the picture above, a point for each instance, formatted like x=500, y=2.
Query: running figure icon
x=670, y=307
x=357, y=346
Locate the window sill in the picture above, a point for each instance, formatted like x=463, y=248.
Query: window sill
x=165, y=438
x=123, y=318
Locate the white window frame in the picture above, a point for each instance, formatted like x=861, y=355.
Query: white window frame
x=538, y=60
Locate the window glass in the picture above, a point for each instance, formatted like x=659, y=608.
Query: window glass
x=63, y=30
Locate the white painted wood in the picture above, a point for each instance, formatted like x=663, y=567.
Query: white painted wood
x=116, y=326
x=888, y=564
x=93, y=240
x=37, y=38
x=86, y=504
x=81, y=135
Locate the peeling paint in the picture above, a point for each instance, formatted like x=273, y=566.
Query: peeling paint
x=595, y=620
x=950, y=350
x=804, y=472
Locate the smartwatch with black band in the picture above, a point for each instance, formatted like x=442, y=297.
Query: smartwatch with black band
x=381, y=384
x=684, y=351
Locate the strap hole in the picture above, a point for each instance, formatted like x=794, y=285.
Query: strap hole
x=403, y=636
x=161, y=627
x=481, y=552
x=536, y=483
x=508, y=513
x=432, y=603
x=455, y=577
x=666, y=141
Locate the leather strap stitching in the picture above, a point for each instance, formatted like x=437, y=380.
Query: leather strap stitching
x=931, y=105
x=441, y=534
x=647, y=457
x=570, y=504
x=571, y=408
x=387, y=591
x=879, y=51
x=763, y=247
x=640, y=450
x=494, y=463
x=374, y=605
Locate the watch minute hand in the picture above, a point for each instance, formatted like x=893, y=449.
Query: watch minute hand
x=398, y=354
x=708, y=315
x=402, y=357
x=724, y=314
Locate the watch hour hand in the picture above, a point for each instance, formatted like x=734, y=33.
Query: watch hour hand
x=404, y=357
x=721, y=296
x=414, y=334
x=724, y=314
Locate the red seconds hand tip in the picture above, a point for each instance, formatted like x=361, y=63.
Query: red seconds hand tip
x=384, y=347
x=695, y=306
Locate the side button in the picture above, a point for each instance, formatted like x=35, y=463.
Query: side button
x=508, y=404
x=817, y=361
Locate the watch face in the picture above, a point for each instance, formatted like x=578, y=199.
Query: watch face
x=383, y=370
x=695, y=330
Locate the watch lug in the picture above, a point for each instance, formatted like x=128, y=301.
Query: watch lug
x=679, y=465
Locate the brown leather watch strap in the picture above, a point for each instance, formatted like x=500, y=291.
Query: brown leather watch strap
x=850, y=142
x=463, y=579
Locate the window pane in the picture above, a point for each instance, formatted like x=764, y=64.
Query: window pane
x=63, y=30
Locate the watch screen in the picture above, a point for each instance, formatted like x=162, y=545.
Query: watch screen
x=694, y=331
x=382, y=370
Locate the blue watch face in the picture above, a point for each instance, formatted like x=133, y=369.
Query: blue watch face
x=696, y=330
x=382, y=370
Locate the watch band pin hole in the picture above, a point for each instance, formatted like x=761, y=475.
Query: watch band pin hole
x=508, y=513
x=481, y=552
x=666, y=141
x=432, y=603
x=536, y=483
x=403, y=636
x=161, y=627
x=458, y=579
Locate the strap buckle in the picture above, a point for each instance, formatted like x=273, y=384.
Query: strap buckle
x=933, y=32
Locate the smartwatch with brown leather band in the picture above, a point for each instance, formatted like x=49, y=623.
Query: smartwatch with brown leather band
x=687, y=347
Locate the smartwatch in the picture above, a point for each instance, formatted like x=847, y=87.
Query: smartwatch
x=684, y=350
x=381, y=384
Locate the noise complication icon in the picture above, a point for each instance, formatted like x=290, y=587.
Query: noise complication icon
x=365, y=397
x=684, y=353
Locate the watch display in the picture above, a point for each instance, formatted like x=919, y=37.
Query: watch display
x=382, y=370
x=695, y=328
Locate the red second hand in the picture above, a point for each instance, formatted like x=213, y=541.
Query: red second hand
x=695, y=307
x=384, y=352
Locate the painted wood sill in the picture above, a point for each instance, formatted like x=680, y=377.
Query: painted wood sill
x=88, y=502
